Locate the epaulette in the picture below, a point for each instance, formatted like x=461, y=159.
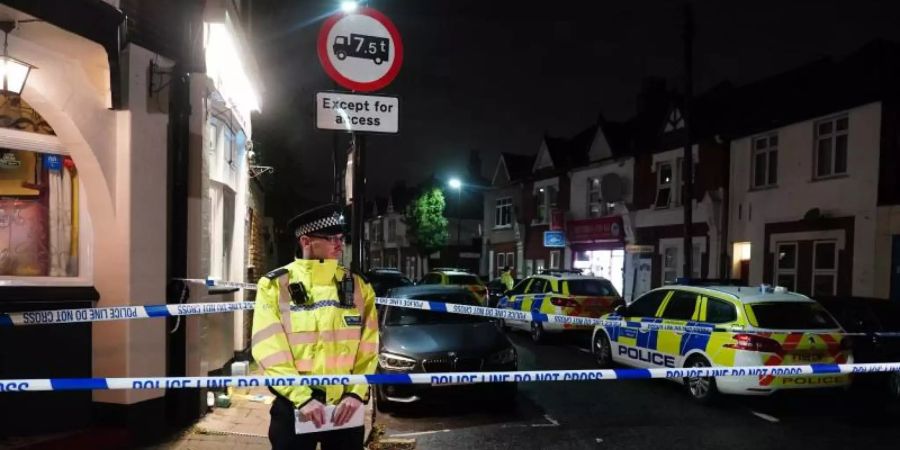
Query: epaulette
x=276, y=273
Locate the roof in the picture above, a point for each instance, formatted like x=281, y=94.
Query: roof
x=745, y=294
x=518, y=166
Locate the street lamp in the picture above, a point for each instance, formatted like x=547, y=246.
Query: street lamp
x=349, y=6
x=12, y=71
x=456, y=184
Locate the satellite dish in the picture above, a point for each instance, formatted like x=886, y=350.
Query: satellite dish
x=611, y=188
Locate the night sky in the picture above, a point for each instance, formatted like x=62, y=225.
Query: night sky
x=497, y=75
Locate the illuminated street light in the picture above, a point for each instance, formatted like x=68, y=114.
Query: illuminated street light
x=455, y=183
x=13, y=72
x=349, y=6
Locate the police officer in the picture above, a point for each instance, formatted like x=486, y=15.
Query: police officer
x=506, y=278
x=313, y=317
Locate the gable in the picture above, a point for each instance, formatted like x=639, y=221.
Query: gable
x=543, y=159
x=675, y=121
x=501, y=173
x=600, y=148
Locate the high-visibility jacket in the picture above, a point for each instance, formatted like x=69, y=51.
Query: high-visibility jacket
x=317, y=337
x=507, y=280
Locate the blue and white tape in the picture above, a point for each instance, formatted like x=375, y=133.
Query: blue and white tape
x=212, y=282
x=79, y=315
x=446, y=378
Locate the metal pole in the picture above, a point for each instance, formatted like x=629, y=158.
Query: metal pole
x=687, y=195
x=458, y=225
x=359, y=180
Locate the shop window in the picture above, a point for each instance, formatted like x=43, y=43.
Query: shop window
x=786, y=266
x=824, y=268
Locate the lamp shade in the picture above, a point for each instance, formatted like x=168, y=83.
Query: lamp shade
x=13, y=74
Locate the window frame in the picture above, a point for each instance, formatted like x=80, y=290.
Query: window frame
x=832, y=138
x=674, y=268
x=789, y=271
x=769, y=151
x=555, y=257
x=501, y=204
x=678, y=294
x=660, y=186
x=824, y=272
x=601, y=205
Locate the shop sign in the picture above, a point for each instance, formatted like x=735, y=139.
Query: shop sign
x=596, y=229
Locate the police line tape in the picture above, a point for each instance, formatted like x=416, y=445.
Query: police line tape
x=437, y=379
x=212, y=282
x=80, y=315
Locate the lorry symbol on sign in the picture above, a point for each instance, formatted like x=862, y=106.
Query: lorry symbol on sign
x=362, y=46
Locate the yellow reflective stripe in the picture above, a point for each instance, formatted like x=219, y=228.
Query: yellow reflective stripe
x=284, y=302
x=265, y=333
x=306, y=337
x=343, y=363
x=372, y=323
x=275, y=359
x=368, y=347
x=304, y=365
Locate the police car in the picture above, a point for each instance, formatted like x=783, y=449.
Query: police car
x=563, y=292
x=457, y=277
x=733, y=326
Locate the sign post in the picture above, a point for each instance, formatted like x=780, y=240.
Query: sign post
x=361, y=51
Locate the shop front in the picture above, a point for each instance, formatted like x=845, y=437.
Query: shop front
x=598, y=248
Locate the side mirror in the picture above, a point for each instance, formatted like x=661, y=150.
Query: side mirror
x=621, y=310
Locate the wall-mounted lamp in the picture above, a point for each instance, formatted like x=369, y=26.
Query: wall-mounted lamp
x=13, y=72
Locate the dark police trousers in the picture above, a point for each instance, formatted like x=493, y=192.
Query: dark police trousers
x=282, y=436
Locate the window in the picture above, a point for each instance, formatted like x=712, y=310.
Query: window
x=538, y=265
x=519, y=289
x=537, y=286
x=696, y=261
x=647, y=305
x=39, y=221
x=786, y=266
x=554, y=259
x=463, y=280
x=501, y=263
x=431, y=278
x=831, y=147
x=663, y=185
x=544, y=200
x=792, y=316
x=824, y=268
x=670, y=264
x=529, y=267
x=720, y=311
x=392, y=230
x=503, y=213
x=595, y=205
x=681, y=306
x=510, y=260
x=592, y=288
x=377, y=231
x=765, y=161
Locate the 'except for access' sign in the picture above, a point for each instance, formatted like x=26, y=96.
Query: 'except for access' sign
x=357, y=113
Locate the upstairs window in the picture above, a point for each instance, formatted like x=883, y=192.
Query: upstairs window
x=831, y=147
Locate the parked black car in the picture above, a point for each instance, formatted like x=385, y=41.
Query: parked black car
x=870, y=316
x=383, y=280
x=418, y=341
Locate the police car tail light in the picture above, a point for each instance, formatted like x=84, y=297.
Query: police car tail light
x=754, y=343
x=562, y=301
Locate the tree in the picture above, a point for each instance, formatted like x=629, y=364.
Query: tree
x=426, y=221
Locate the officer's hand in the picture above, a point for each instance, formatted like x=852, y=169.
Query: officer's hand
x=345, y=410
x=314, y=411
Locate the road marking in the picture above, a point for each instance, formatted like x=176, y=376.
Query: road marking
x=420, y=433
x=581, y=349
x=765, y=416
x=553, y=422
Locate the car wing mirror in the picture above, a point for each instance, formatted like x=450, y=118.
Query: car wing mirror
x=621, y=310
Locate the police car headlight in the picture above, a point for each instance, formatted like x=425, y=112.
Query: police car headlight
x=503, y=357
x=396, y=362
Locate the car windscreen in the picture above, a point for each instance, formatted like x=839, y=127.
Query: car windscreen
x=409, y=316
x=792, y=316
x=462, y=280
x=592, y=288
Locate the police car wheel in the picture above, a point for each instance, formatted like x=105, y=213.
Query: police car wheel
x=602, y=351
x=537, y=333
x=894, y=385
x=701, y=389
